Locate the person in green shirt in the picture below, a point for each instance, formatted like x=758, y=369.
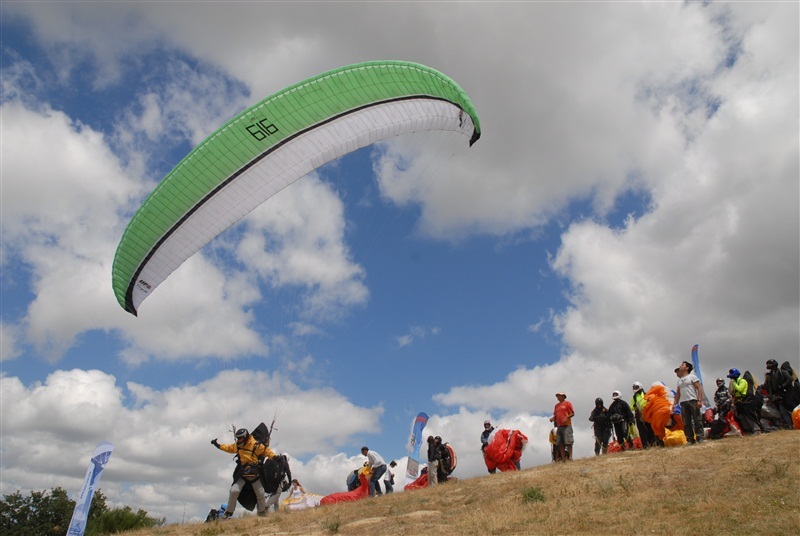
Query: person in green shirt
x=637, y=405
x=747, y=409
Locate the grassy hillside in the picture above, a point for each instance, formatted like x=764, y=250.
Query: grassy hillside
x=747, y=485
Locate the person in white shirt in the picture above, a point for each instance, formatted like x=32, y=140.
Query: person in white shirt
x=689, y=394
x=388, y=477
x=378, y=467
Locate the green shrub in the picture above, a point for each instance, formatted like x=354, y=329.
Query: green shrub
x=532, y=495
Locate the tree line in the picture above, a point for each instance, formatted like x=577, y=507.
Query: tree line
x=45, y=513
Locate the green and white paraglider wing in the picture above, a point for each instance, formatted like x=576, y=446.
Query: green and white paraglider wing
x=272, y=144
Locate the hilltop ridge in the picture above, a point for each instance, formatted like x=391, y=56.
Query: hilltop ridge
x=742, y=484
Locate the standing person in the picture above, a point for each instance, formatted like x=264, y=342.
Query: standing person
x=744, y=406
x=602, y=427
x=637, y=405
x=562, y=418
x=487, y=431
x=445, y=460
x=621, y=418
x=722, y=399
x=388, y=477
x=433, y=461
x=249, y=454
x=688, y=394
x=378, y=466
x=277, y=479
x=778, y=384
x=553, y=447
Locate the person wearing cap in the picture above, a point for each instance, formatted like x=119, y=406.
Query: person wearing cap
x=738, y=385
x=621, y=418
x=562, y=418
x=637, y=405
x=688, y=394
x=377, y=465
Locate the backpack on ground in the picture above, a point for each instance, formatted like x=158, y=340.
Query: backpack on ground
x=718, y=429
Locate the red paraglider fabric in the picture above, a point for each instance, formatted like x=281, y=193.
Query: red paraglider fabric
x=615, y=447
x=504, y=450
x=419, y=483
x=361, y=492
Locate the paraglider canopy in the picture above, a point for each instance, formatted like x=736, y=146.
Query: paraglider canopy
x=272, y=144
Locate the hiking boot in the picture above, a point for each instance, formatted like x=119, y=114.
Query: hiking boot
x=263, y=513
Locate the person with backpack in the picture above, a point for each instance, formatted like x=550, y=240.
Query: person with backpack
x=601, y=423
x=638, y=402
x=485, y=435
x=781, y=392
x=277, y=479
x=445, y=460
x=388, y=477
x=249, y=455
x=215, y=513
x=487, y=431
x=353, y=481
x=722, y=399
x=791, y=387
x=434, y=458
x=746, y=407
x=621, y=418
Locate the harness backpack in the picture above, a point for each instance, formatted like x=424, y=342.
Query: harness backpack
x=273, y=473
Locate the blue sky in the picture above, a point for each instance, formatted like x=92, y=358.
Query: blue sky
x=635, y=192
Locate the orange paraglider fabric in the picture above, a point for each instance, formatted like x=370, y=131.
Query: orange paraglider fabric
x=658, y=412
x=361, y=492
x=796, y=418
x=504, y=450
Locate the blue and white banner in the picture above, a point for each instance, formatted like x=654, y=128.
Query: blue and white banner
x=414, y=444
x=415, y=441
x=99, y=460
x=696, y=363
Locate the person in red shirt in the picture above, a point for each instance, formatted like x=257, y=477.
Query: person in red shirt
x=562, y=418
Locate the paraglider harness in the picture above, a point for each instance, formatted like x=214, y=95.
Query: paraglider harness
x=250, y=471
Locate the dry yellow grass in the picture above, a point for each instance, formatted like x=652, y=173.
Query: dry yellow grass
x=745, y=485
